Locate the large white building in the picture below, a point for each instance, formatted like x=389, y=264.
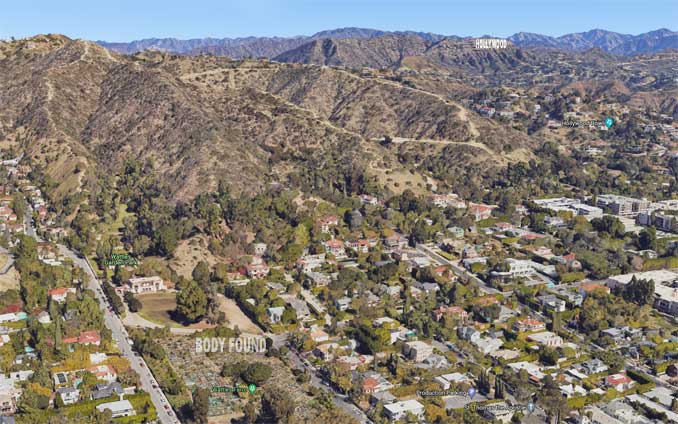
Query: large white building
x=565, y=204
x=665, y=288
x=622, y=205
x=138, y=285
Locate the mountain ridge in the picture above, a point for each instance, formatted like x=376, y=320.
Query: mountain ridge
x=271, y=46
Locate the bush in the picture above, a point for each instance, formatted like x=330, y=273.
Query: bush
x=132, y=302
x=257, y=373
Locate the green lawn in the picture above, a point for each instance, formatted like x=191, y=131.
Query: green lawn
x=115, y=226
x=156, y=307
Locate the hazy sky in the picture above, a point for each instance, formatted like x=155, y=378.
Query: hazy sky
x=125, y=20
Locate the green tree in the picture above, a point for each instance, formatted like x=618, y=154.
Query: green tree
x=201, y=273
x=192, y=302
x=277, y=406
x=257, y=373
x=647, y=239
x=132, y=302
x=639, y=291
x=200, y=406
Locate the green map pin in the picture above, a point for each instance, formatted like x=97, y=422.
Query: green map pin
x=608, y=122
x=252, y=388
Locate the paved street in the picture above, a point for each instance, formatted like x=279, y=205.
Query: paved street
x=120, y=336
x=10, y=260
x=459, y=271
x=337, y=398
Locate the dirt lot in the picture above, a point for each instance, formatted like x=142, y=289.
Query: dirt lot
x=10, y=280
x=158, y=306
x=189, y=253
x=235, y=316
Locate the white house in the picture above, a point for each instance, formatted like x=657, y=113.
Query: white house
x=397, y=410
x=275, y=314
x=119, y=408
x=68, y=395
x=546, y=338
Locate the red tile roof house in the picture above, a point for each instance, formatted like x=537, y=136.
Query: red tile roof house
x=104, y=372
x=481, y=211
x=86, y=338
x=620, y=382
x=327, y=222
x=260, y=270
x=59, y=294
x=335, y=247
x=5, y=213
x=454, y=311
x=360, y=245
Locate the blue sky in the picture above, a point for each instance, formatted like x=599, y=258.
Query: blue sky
x=126, y=20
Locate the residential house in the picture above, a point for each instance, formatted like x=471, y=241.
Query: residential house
x=454, y=312
x=546, y=338
x=620, y=382
x=259, y=249
x=528, y=324
x=59, y=294
x=593, y=366
x=354, y=361
x=68, y=395
x=552, y=302
x=417, y=350
x=533, y=371
x=104, y=372
x=328, y=222
x=396, y=241
x=326, y=351
x=300, y=307
x=481, y=211
x=318, y=279
x=257, y=270
x=447, y=200
x=275, y=314
x=343, y=303
x=43, y=317
x=572, y=390
x=469, y=334
x=447, y=380
x=373, y=382
x=487, y=345
x=434, y=361
x=104, y=390
x=318, y=335
x=359, y=245
x=383, y=397
x=335, y=247
x=616, y=334
x=397, y=410
x=119, y=408
x=308, y=263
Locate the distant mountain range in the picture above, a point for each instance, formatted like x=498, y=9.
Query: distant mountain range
x=608, y=41
x=271, y=47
